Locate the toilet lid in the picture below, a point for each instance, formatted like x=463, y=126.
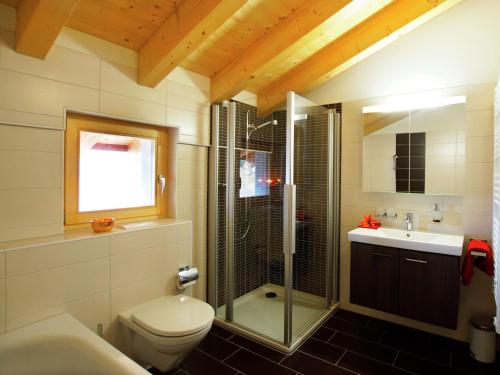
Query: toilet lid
x=174, y=316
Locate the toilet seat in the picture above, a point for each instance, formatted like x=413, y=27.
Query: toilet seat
x=173, y=316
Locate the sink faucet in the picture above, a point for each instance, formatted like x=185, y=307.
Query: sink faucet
x=409, y=221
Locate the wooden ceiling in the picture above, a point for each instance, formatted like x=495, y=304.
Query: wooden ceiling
x=267, y=47
x=127, y=23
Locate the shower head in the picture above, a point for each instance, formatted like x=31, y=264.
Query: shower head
x=272, y=122
x=251, y=127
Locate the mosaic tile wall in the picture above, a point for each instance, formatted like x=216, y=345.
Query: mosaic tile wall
x=311, y=179
x=251, y=217
x=258, y=256
x=410, y=163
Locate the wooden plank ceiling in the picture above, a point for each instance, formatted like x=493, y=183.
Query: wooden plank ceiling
x=267, y=47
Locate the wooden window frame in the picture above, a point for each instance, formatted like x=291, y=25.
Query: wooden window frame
x=74, y=125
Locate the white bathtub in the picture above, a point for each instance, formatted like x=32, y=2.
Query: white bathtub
x=61, y=346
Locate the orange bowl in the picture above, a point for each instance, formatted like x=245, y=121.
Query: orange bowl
x=102, y=225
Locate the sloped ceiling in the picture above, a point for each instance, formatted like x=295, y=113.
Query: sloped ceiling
x=262, y=46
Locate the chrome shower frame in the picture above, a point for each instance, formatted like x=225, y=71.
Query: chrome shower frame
x=333, y=226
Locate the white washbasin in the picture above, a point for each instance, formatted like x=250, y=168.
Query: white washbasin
x=411, y=240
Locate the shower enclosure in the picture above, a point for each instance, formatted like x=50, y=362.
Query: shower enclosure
x=273, y=219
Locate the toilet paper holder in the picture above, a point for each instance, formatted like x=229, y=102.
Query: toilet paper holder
x=187, y=276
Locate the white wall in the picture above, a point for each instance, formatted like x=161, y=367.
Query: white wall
x=457, y=53
x=457, y=48
x=496, y=203
x=94, y=277
x=86, y=73
x=378, y=166
x=445, y=160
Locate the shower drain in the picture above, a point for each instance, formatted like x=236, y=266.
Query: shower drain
x=271, y=295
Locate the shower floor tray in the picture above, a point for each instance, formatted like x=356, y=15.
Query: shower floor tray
x=265, y=316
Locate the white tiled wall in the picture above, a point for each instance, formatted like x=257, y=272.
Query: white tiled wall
x=27, y=260
x=445, y=162
x=37, y=292
x=26, y=93
x=378, y=169
x=470, y=214
x=93, y=279
x=84, y=72
x=31, y=182
x=192, y=204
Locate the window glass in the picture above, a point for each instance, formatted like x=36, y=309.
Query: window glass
x=254, y=174
x=115, y=171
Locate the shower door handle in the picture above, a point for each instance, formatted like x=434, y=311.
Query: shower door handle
x=289, y=217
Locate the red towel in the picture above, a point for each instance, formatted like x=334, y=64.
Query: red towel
x=485, y=264
x=369, y=222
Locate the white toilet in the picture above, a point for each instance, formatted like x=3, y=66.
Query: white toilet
x=162, y=332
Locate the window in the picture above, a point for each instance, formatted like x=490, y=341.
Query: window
x=128, y=171
x=113, y=168
x=254, y=174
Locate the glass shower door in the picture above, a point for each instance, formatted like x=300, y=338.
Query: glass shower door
x=271, y=218
x=251, y=195
x=309, y=207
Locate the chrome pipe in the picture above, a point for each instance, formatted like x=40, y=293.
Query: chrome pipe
x=330, y=208
x=289, y=219
x=336, y=207
x=213, y=212
x=230, y=189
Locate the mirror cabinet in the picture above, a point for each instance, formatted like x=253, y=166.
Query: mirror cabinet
x=415, y=148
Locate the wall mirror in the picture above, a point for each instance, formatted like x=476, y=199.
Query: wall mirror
x=415, y=146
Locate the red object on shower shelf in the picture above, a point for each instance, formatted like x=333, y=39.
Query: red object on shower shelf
x=300, y=215
x=273, y=181
x=369, y=222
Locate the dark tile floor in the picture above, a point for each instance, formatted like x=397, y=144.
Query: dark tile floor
x=346, y=344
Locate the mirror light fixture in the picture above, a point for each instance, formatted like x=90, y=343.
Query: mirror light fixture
x=411, y=103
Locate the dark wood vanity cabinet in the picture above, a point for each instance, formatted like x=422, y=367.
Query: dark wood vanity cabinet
x=417, y=285
x=375, y=276
x=429, y=286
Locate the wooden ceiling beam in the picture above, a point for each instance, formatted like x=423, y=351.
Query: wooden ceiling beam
x=39, y=22
x=345, y=50
x=182, y=32
x=231, y=79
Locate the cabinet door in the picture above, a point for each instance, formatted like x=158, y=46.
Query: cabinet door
x=374, y=276
x=429, y=287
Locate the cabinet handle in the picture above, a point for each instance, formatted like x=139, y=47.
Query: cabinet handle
x=416, y=260
x=382, y=255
